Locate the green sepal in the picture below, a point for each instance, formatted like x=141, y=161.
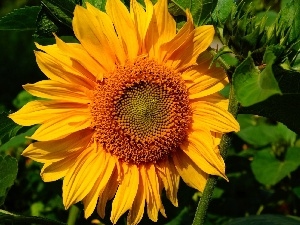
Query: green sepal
x=224, y=56
x=201, y=10
x=223, y=11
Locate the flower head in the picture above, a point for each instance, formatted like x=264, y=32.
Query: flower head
x=130, y=109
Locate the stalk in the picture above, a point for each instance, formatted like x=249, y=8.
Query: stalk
x=225, y=144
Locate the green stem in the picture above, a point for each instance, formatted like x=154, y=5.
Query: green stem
x=13, y=218
x=233, y=108
x=212, y=180
x=204, y=201
x=73, y=214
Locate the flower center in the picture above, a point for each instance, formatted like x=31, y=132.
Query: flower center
x=141, y=112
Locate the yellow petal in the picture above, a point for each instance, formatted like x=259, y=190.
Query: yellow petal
x=136, y=212
x=217, y=140
x=204, y=86
x=162, y=29
x=200, y=148
x=187, y=54
x=124, y=26
x=58, y=64
x=78, y=54
x=39, y=111
x=170, y=179
x=82, y=176
x=61, y=126
x=106, y=26
x=88, y=31
x=168, y=48
x=105, y=170
x=203, y=80
x=54, y=171
x=126, y=193
x=52, y=151
x=166, y=24
x=153, y=199
x=206, y=114
x=141, y=19
x=191, y=174
x=216, y=99
x=108, y=193
x=58, y=91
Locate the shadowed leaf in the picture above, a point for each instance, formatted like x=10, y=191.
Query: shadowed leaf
x=266, y=220
x=20, y=19
x=8, y=128
x=284, y=108
x=8, y=174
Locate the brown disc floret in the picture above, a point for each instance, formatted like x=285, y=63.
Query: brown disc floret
x=141, y=112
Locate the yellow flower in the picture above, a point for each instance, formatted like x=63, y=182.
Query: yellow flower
x=130, y=110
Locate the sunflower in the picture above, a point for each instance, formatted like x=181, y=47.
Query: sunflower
x=128, y=110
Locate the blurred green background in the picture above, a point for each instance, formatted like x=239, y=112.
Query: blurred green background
x=262, y=165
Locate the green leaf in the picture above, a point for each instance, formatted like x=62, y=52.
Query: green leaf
x=5, y=215
x=225, y=56
x=223, y=10
x=218, y=192
x=8, y=174
x=257, y=132
x=19, y=139
x=45, y=26
x=296, y=190
x=201, y=10
x=55, y=17
x=283, y=108
x=8, y=128
x=268, y=170
x=283, y=3
x=178, y=220
x=11, y=218
x=289, y=18
x=296, y=63
x=12, y=134
x=22, y=98
x=62, y=10
x=37, y=208
x=100, y=4
x=258, y=136
x=265, y=220
x=252, y=86
x=285, y=31
x=222, y=18
x=20, y=19
x=252, y=39
x=269, y=17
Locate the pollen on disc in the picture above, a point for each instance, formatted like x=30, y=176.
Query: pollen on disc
x=141, y=112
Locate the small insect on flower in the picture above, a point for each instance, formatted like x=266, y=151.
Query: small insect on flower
x=129, y=110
